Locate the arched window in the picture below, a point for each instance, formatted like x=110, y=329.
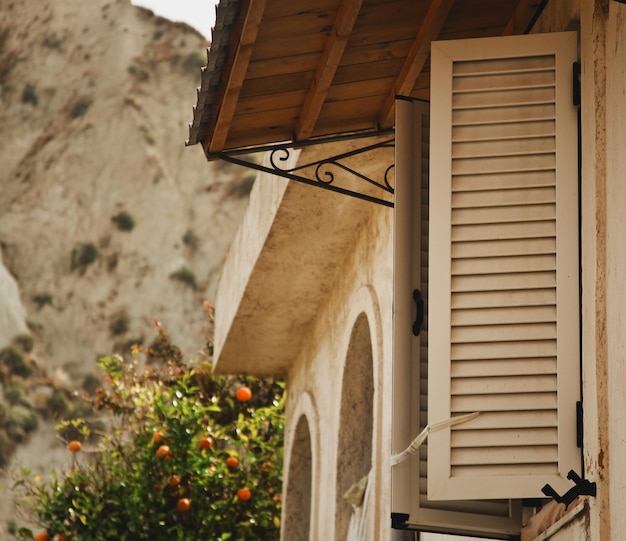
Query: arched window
x=354, y=452
x=297, y=513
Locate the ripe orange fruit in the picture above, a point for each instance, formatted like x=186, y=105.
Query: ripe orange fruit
x=243, y=394
x=42, y=536
x=63, y=537
x=244, y=494
x=164, y=452
x=232, y=462
x=74, y=446
x=174, y=481
x=159, y=436
x=206, y=443
x=183, y=505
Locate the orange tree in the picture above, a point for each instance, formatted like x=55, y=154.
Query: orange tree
x=184, y=459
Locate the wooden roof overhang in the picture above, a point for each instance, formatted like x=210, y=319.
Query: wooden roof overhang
x=314, y=75
x=298, y=70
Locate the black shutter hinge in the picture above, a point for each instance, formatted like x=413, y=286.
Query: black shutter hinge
x=576, y=84
x=579, y=424
x=419, y=314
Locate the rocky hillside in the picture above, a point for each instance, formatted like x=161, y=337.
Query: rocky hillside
x=106, y=219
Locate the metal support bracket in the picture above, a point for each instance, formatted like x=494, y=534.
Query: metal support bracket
x=326, y=173
x=582, y=487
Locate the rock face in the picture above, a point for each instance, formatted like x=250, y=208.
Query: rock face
x=106, y=219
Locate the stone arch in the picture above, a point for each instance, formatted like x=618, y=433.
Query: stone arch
x=356, y=420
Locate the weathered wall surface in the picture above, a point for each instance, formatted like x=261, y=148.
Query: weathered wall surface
x=601, y=25
x=363, y=288
x=615, y=101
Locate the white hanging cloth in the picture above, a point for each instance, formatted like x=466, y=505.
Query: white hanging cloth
x=361, y=498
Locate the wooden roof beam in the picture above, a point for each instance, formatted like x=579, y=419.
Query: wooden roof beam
x=326, y=68
x=229, y=95
x=416, y=58
x=521, y=17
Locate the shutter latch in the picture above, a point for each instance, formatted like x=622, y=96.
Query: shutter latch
x=419, y=316
x=579, y=424
x=582, y=488
x=576, y=84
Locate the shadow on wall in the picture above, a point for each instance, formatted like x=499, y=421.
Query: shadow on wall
x=298, y=503
x=354, y=452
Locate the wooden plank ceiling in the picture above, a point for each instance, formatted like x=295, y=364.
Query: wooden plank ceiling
x=299, y=69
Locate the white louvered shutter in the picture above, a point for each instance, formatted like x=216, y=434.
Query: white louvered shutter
x=410, y=506
x=504, y=294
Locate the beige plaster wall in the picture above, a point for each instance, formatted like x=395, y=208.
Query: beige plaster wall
x=604, y=260
x=615, y=103
x=364, y=285
x=593, y=254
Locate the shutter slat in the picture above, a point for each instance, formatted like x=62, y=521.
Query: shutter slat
x=503, y=385
x=517, y=180
x=493, y=456
x=497, y=198
x=536, y=145
x=518, y=420
x=539, y=229
x=499, y=66
x=503, y=282
x=528, y=263
x=515, y=471
x=489, y=402
x=504, y=299
x=504, y=164
x=502, y=114
x=515, y=96
x=525, y=213
x=507, y=130
x=503, y=81
x=505, y=437
x=499, y=350
x=503, y=315
x=504, y=248
x=503, y=333
x=504, y=367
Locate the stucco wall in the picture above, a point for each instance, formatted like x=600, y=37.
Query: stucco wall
x=363, y=289
x=605, y=79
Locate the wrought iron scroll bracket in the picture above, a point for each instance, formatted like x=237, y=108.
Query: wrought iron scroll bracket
x=323, y=172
